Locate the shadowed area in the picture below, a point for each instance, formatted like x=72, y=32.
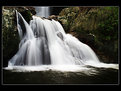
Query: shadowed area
x=102, y=76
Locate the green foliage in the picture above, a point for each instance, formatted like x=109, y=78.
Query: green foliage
x=107, y=32
x=99, y=23
x=108, y=28
x=9, y=35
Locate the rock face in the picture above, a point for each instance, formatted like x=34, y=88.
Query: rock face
x=9, y=30
x=95, y=26
x=53, y=17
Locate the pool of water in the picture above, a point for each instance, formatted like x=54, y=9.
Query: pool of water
x=88, y=75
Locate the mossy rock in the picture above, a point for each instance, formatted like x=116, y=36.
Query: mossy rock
x=9, y=31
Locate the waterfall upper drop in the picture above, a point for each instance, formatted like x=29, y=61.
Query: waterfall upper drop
x=42, y=11
x=44, y=42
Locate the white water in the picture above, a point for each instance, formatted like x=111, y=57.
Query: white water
x=45, y=44
x=42, y=11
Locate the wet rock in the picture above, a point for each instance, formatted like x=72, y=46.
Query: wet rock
x=53, y=17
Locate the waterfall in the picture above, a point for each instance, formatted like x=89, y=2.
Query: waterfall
x=44, y=42
x=42, y=11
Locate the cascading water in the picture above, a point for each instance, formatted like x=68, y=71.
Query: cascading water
x=42, y=11
x=44, y=42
